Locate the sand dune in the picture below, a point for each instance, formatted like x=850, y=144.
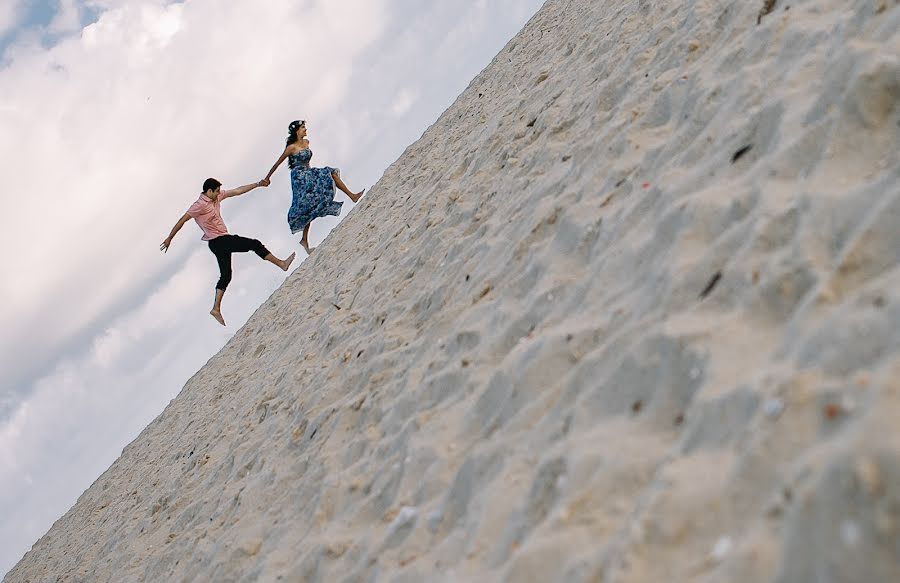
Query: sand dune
x=628, y=311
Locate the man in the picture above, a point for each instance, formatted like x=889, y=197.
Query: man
x=207, y=212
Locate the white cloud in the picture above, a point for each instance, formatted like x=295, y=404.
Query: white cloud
x=10, y=14
x=67, y=18
x=404, y=101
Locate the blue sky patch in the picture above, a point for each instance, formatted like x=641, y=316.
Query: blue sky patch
x=37, y=18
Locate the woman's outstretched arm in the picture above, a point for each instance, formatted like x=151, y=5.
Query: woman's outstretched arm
x=277, y=164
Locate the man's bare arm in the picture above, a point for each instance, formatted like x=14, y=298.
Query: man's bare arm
x=164, y=246
x=243, y=189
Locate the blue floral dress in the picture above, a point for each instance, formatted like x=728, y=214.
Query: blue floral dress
x=313, y=190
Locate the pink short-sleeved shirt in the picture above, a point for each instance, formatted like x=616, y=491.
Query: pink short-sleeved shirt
x=208, y=215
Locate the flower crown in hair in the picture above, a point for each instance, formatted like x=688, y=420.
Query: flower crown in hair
x=295, y=125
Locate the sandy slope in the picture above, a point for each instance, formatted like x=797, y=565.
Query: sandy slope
x=629, y=311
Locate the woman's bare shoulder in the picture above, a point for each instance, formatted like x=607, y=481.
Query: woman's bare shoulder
x=295, y=148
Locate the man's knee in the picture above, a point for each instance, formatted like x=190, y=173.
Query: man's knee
x=224, y=280
x=259, y=248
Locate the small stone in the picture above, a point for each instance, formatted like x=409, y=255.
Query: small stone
x=721, y=549
x=885, y=523
x=434, y=519
x=869, y=476
x=832, y=411
x=407, y=513
x=773, y=408
x=826, y=296
x=775, y=509
x=850, y=533
x=693, y=45
x=252, y=547
x=847, y=404
x=336, y=550
x=390, y=515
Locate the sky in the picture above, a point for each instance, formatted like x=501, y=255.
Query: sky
x=112, y=113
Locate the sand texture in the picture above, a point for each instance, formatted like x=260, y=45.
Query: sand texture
x=629, y=311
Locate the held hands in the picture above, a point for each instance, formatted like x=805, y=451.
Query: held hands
x=263, y=182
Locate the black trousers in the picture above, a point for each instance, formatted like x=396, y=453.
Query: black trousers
x=224, y=245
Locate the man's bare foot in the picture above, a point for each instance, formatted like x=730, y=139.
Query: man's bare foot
x=357, y=196
x=218, y=316
x=287, y=262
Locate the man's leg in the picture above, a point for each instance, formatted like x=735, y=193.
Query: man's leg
x=216, y=311
x=222, y=250
x=243, y=244
x=282, y=263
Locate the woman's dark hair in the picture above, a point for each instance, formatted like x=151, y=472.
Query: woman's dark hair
x=211, y=184
x=292, y=131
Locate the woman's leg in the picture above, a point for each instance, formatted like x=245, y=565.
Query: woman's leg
x=305, y=239
x=340, y=184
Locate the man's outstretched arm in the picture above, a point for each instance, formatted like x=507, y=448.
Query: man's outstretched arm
x=164, y=246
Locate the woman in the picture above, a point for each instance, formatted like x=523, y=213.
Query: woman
x=313, y=188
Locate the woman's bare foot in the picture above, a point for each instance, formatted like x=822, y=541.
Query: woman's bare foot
x=218, y=316
x=357, y=196
x=287, y=262
x=306, y=247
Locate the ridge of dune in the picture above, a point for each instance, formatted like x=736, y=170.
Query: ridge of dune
x=628, y=311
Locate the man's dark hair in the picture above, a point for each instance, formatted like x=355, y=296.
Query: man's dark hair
x=211, y=184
